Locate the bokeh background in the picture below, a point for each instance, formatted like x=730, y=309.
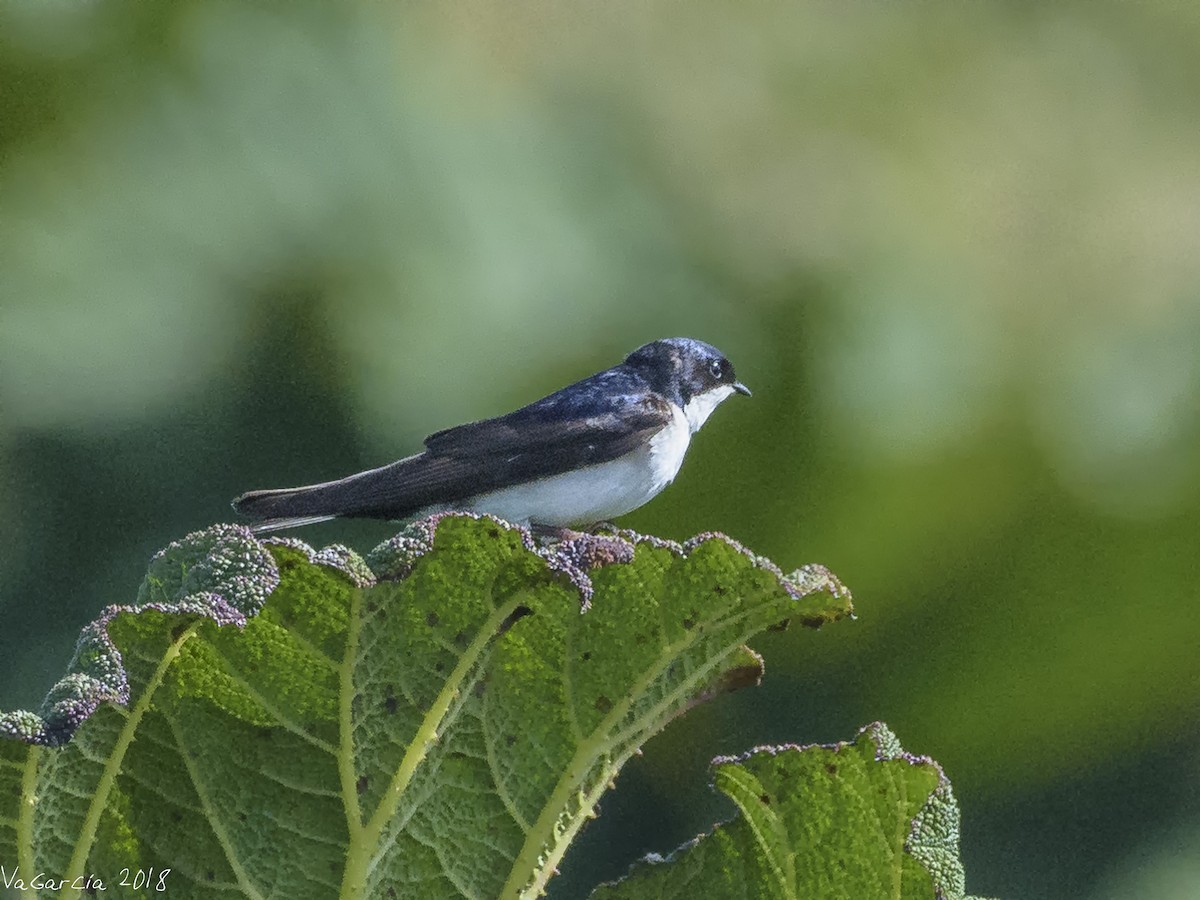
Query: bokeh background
x=954, y=249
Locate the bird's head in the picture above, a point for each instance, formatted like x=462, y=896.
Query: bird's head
x=696, y=375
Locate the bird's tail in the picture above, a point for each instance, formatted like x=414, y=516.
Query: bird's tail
x=277, y=510
x=363, y=494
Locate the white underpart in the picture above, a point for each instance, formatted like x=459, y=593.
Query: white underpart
x=700, y=407
x=608, y=490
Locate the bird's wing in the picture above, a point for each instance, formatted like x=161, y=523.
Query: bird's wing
x=561, y=432
x=536, y=442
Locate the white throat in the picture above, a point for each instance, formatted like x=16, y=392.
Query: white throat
x=700, y=406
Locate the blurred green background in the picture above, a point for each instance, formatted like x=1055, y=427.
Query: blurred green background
x=953, y=248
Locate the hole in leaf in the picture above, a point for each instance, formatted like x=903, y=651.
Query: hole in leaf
x=519, y=613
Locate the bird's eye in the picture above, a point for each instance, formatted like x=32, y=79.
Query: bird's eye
x=716, y=369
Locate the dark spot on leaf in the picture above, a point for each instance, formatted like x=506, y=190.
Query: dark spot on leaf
x=241, y=817
x=178, y=630
x=812, y=622
x=718, y=590
x=831, y=768
x=391, y=892
x=603, y=704
x=519, y=613
x=372, y=606
x=689, y=624
x=439, y=666
x=361, y=785
x=479, y=688
x=461, y=639
x=176, y=816
x=779, y=626
x=210, y=875
x=764, y=799
x=356, y=704
x=431, y=619
x=389, y=702
x=586, y=655
x=640, y=639
x=509, y=740
x=493, y=532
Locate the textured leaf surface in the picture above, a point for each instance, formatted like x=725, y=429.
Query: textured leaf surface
x=437, y=721
x=856, y=821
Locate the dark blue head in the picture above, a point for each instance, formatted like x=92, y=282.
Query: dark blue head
x=694, y=374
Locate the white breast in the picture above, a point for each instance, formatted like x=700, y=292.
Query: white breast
x=595, y=493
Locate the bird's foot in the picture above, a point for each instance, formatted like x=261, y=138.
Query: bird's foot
x=583, y=548
x=554, y=534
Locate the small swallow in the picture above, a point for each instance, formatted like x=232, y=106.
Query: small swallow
x=588, y=453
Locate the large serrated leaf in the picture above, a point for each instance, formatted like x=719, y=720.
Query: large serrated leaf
x=853, y=821
x=275, y=722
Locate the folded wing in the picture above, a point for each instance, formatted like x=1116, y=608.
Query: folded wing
x=554, y=435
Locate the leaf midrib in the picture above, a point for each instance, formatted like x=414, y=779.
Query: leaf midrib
x=112, y=766
x=590, y=751
x=25, y=813
x=362, y=851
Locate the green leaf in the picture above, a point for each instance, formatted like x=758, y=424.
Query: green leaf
x=440, y=723
x=854, y=821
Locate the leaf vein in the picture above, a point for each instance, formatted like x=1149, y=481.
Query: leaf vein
x=287, y=723
x=569, y=680
x=501, y=787
x=442, y=711
x=345, y=754
x=218, y=830
x=316, y=838
x=313, y=649
x=531, y=857
x=112, y=766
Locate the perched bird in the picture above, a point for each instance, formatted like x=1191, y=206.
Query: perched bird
x=590, y=452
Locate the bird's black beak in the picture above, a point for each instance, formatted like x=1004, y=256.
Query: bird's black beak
x=742, y=389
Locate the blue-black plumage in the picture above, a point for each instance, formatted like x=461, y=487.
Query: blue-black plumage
x=590, y=452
